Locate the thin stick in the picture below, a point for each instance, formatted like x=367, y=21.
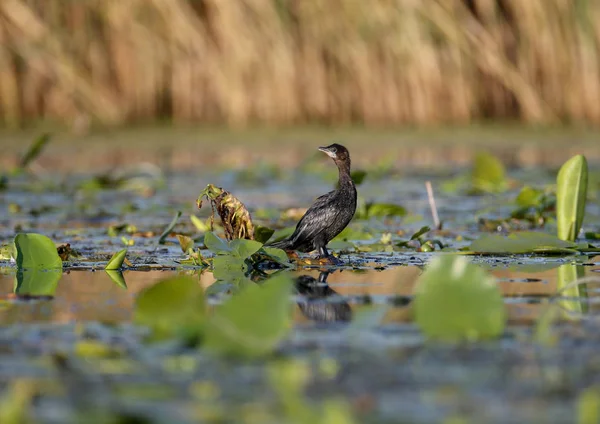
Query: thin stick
x=434, y=213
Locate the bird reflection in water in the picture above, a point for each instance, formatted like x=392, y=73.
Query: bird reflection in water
x=316, y=304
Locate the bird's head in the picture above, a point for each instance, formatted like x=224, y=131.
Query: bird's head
x=337, y=152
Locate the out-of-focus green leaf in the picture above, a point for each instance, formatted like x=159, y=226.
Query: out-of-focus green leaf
x=253, y=322
x=379, y=210
x=488, y=174
x=419, y=233
x=172, y=307
x=216, y=244
x=34, y=150
x=278, y=254
x=588, y=406
x=571, y=193
x=358, y=176
x=243, y=248
x=524, y=242
x=186, y=243
x=529, y=196
x=116, y=262
x=199, y=224
x=227, y=267
x=262, y=234
x=458, y=300
x=169, y=228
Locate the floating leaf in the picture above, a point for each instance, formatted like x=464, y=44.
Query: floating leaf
x=379, y=210
x=524, y=242
x=253, y=322
x=529, y=196
x=36, y=251
x=358, y=176
x=117, y=278
x=174, y=306
x=456, y=300
x=216, y=244
x=244, y=248
x=227, y=267
x=116, y=262
x=488, y=174
x=186, y=243
x=571, y=193
x=278, y=254
x=263, y=234
x=169, y=228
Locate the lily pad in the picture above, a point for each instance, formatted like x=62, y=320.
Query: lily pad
x=172, y=307
x=36, y=251
x=216, y=244
x=523, y=242
x=243, y=248
x=458, y=300
x=253, y=322
x=488, y=174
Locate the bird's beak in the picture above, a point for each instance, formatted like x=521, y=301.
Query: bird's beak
x=327, y=152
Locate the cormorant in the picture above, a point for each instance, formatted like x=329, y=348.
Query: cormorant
x=329, y=214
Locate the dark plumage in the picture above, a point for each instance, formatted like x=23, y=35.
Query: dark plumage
x=329, y=214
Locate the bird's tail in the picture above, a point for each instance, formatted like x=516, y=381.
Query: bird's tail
x=284, y=244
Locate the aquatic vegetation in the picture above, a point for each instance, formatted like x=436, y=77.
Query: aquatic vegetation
x=456, y=300
x=235, y=218
x=116, y=261
x=571, y=195
x=169, y=228
x=488, y=174
x=521, y=242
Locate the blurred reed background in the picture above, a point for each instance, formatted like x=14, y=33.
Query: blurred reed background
x=296, y=61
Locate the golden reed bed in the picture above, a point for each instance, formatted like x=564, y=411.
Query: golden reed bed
x=296, y=61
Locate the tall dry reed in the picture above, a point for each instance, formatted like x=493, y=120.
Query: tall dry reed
x=296, y=61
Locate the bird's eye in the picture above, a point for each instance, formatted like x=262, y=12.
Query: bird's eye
x=334, y=150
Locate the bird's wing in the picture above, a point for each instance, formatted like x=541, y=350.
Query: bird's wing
x=321, y=214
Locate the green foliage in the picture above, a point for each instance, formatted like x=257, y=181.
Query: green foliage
x=571, y=196
x=534, y=206
x=458, y=300
x=522, y=242
x=36, y=251
x=263, y=234
x=378, y=210
x=39, y=267
x=588, y=406
x=252, y=322
x=169, y=228
x=174, y=307
x=577, y=294
x=34, y=151
x=488, y=174
x=116, y=262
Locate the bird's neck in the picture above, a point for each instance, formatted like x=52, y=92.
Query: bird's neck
x=344, y=174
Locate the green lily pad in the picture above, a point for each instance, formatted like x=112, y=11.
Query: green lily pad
x=488, y=174
x=277, y=254
x=523, y=242
x=36, y=251
x=458, y=300
x=37, y=281
x=243, y=248
x=172, y=307
x=226, y=267
x=263, y=234
x=216, y=244
x=252, y=322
